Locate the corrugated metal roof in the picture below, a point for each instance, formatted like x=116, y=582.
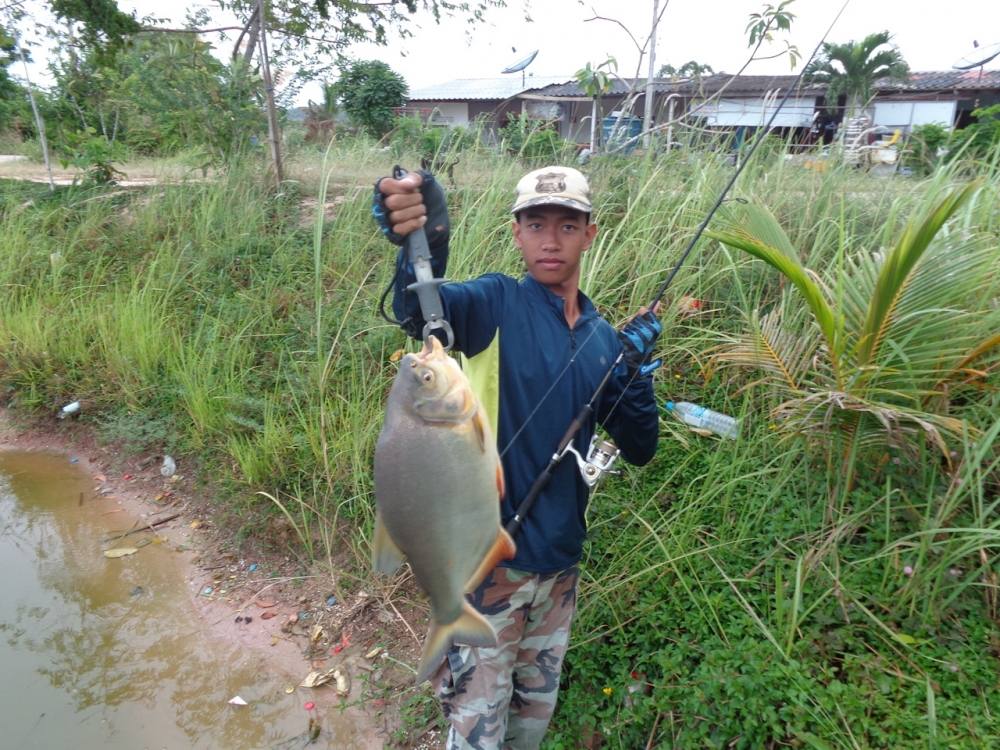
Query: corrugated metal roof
x=943, y=80
x=505, y=87
x=758, y=85
x=472, y=89
x=691, y=86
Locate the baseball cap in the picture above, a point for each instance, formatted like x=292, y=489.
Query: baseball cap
x=552, y=186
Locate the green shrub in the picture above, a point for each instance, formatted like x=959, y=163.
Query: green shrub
x=981, y=137
x=924, y=145
x=535, y=141
x=370, y=91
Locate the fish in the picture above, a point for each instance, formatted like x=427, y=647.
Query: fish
x=438, y=486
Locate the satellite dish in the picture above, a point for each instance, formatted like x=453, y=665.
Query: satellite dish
x=977, y=56
x=521, y=64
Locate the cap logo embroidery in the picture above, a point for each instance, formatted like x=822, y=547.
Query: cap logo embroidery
x=551, y=182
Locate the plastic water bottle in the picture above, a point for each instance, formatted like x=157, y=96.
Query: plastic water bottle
x=69, y=410
x=703, y=418
x=169, y=467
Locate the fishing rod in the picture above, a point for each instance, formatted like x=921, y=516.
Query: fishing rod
x=602, y=453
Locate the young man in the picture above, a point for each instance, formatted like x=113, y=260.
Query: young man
x=536, y=349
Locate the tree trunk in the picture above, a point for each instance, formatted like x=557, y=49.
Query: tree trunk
x=647, y=117
x=273, y=132
x=252, y=32
x=39, y=122
x=593, y=128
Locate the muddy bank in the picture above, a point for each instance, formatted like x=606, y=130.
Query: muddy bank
x=294, y=621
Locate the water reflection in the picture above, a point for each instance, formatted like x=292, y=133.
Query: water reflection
x=99, y=652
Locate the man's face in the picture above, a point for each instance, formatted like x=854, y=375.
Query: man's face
x=552, y=239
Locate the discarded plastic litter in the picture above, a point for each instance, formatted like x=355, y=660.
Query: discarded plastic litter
x=331, y=600
x=69, y=409
x=169, y=467
x=703, y=418
x=120, y=552
x=237, y=701
x=252, y=567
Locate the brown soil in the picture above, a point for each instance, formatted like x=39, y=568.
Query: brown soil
x=300, y=618
x=138, y=174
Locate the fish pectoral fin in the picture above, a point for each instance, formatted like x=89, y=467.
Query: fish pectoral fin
x=386, y=556
x=503, y=549
x=470, y=629
x=480, y=428
x=501, y=484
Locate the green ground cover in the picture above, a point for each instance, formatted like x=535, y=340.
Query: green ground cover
x=827, y=581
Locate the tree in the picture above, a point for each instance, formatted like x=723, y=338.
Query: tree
x=690, y=69
x=596, y=82
x=369, y=91
x=311, y=35
x=12, y=96
x=104, y=28
x=161, y=93
x=761, y=29
x=851, y=69
x=175, y=94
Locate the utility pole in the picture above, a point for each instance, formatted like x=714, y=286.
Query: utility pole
x=273, y=133
x=647, y=117
x=39, y=122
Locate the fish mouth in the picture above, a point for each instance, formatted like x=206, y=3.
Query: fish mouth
x=432, y=347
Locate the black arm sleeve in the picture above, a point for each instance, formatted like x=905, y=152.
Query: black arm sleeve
x=634, y=423
x=473, y=308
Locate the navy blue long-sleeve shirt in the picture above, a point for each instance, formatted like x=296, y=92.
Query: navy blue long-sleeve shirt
x=528, y=323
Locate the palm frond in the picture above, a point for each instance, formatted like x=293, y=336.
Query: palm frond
x=759, y=234
x=961, y=368
x=897, y=269
x=772, y=347
x=823, y=411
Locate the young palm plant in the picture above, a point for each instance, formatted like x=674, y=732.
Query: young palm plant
x=875, y=355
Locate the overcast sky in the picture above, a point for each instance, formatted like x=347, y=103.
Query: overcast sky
x=931, y=35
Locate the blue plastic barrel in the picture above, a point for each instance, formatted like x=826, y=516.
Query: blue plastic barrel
x=618, y=129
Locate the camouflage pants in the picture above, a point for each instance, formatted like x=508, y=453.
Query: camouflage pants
x=504, y=696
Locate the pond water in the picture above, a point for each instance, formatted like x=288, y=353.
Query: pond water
x=109, y=653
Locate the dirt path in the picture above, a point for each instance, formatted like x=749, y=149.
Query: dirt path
x=264, y=601
x=137, y=174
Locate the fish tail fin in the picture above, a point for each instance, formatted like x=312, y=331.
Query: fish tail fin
x=471, y=629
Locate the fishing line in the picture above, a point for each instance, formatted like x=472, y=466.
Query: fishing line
x=593, y=329
x=722, y=196
x=588, y=409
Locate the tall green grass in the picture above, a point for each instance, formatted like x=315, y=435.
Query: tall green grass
x=734, y=594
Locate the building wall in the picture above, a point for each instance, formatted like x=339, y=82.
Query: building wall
x=906, y=115
x=797, y=112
